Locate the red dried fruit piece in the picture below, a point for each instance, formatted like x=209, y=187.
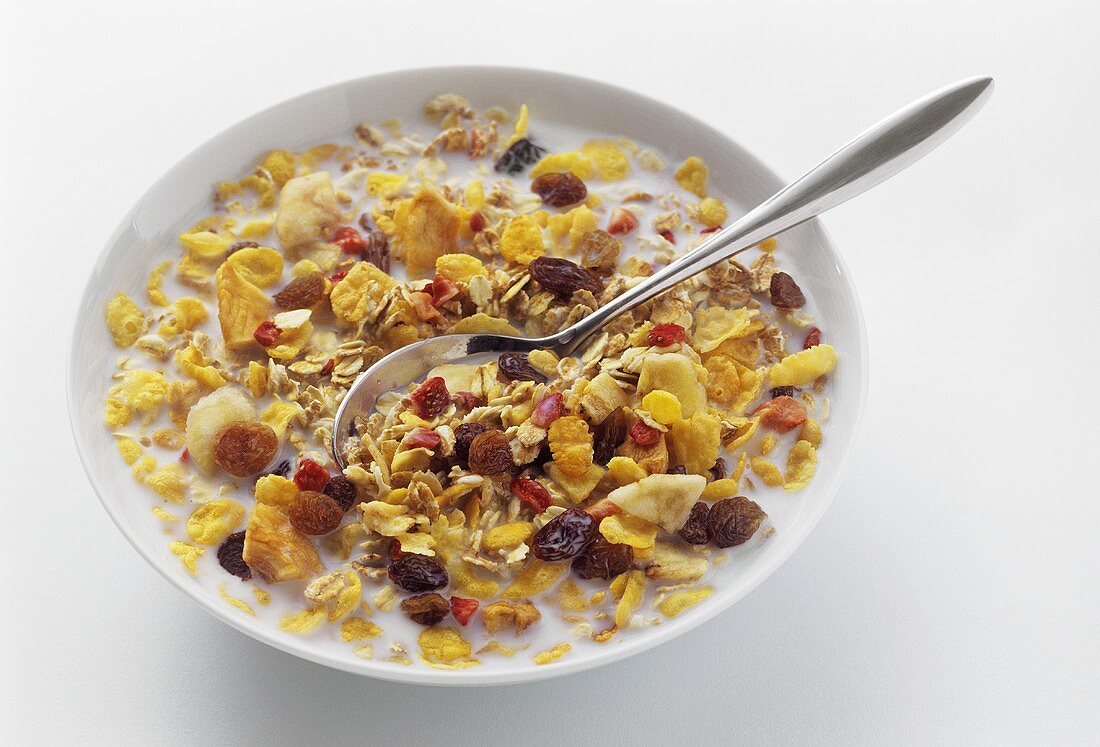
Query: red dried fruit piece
x=431, y=398
x=314, y=513
x=465, y=400
x=463, y=609
x=664, y=335
x=477, y=222
x=422, y=438
x=242, y=448
x=812, y=339
x=562, y=276
x=336, y=278
x=643, y=435
x=565, y=536
x=342, y=490
x=516, y=367
x=622, y=221
x=424, y=308
x=490, y=454
x=349, y=240
x=185, y=454
x=781, y=414
x=548, y=410
x=710, y=229
x=533, y=493
x=417, y=573
x=603, y=508
x=785, y=292
x=310, y=475
x=667, y=236
x=329, y=365
x=267, y=333
x=442, y=290
x=426, y=609
x=395, y=549
x=231, y=556
x=302, y=293
x=559, y=189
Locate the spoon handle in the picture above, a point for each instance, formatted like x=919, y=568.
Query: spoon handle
x=888, y=147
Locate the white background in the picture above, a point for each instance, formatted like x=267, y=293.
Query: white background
x=949, y=595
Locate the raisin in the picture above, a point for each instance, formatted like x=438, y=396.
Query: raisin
x=364, y=222
x=243, y=448
x=610, y=435
x=562, y=277
x=490, y=454
x=644, y=435
x=342, y=490
x=314, y=513
x=622, y=221
x=600, y=251
x=426, y=609
x=310, y=475
x=463, y=608
x=302, y=293
x=548, y=410
x=431, y=398
x=718, y=471
x=464, y=436
x=678, y=469
x=695, y=530
x=267, y=333
x=282, y=469
x=603, y=560
x=532, y=492
x=812, y=339
x=377, y=250
x=664, y=335
x=518, y=157
x=565, y=536
x=327, y=368
x=781, y=414
x=349, y=240
x=733, y=521
x=559, y=189
x=416, y=573
x=231, y=556
x=516, y=367
x=237, y=246
x=785, y=292
x=783, y=391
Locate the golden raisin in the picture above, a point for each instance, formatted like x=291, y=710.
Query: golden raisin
x=302, y=293
x=244, y=448
x=314, y=513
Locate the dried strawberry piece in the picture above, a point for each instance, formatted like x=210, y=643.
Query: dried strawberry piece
x=548, y=410
x=310, y=475
x=424, y=308
x=622, y=221
x=643, y=435
x=532, y=492
x=442, y=290
x=710, y=229
x=477, y=222
x=422, y=438
x=431, y=398
x=465, y=400
x=267, y=333
x=812, y=339
x=667, y=236
x=349, y=240
x=338, y=276
x=185, y=454
x=664, y=335
x=781, y=414
x=463, y=609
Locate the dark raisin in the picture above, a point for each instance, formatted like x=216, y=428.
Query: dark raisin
x=302, y=293
x=718, y=471
x=342, y=490
x=565, y=536
x=237, y=246
x=464, y=436
x=733, y=521
x=426, y=609
x=603, y=560
x=813, y=338
x=785, y=292
x=559, y=189
x=377, y=250
x=314, y=513
x=695, y=530
x=562, y=277
x=516, y=367
x=518, y=157
x=282, y=469
x=431, y=398
x=416, y=573
x=679, y=469
x=610, y=435
x=600, y=251
x=783, y=391
x=364, y=222
x=231, y=556
x=490, y=454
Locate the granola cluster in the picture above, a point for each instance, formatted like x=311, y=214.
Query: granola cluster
x=497, y=492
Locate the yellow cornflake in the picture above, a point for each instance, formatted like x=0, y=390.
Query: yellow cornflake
x=163, y=515
x=496, y=647
x=715, y=324
x=130, y=450
x=281, y=165
x=692, y=176
x=718, y=489
x=767, y=444
x=363, y=286
x=801, y=368
x=575, y=162
x=461, y=268
x=304, y=621
x=155, y=283
x=142, y=391
x=260, y=265
x=570, y=228
x=256, y=229
x=507, y=536
x=768, y=245
x=262, y=597
x=625, y=470
x=811, y=431
x=206, y=245
x=275, y=490
x=521, y=241
x=279, y=415
x=143, y=467
x=610, y=163
x=116, y=413
x=125, y=321
x=188, y=555
x=483, y=323
x=598, y=597
x=633, y=591
x=553, y=654
x=381, y=184
x=238, y=603
x=444, y=645
x=536, y=577
x=767, y=471
x=212, y=522
x=623, y=529
x=571, y=596
x=364, y=652
x=801, y=464
x=184, y=314
x=169, y=481
x=571, y=445
x=521, y=125
x=662, y=406
x=679, y=601
x=348, y=598
x=195, y=365
x=357, y=629
x=468, y=583
x=694, y=442
x=712, y=212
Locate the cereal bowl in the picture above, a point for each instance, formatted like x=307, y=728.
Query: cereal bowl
x=563, y=109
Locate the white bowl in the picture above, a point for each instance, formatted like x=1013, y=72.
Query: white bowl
x=182, y=196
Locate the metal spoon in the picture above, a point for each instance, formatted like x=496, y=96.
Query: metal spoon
x=872, y=157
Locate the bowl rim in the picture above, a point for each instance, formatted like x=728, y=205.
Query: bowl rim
x=472, y=676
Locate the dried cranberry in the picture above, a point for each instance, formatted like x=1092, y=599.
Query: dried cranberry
x=310, y=475
x=477, y=222
x=422, y=438
x=664, y=335
x=349, y=240
x=518, y=157
x=465, y=435
x=342, y=490
x=426, y=609
x=562, y=277
x=231, y=556
x=548, y=410
x=559, y=189
x=644, y=435
x=785, y=292
x=812, y=339
x=733, y=521
x=465, y=400
x=532, y=493
x=490, y=454
x=431, y=398
x=314, y=513
x=565, y=536
x=603, y=559
x=463, y=609
x=667, y=236
x=783, y=391
x=516, y=367
x=267, y=333
x=781, y=414
x=695, y=530
x=416, y=573
x=622, y=221
x=610, y=435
